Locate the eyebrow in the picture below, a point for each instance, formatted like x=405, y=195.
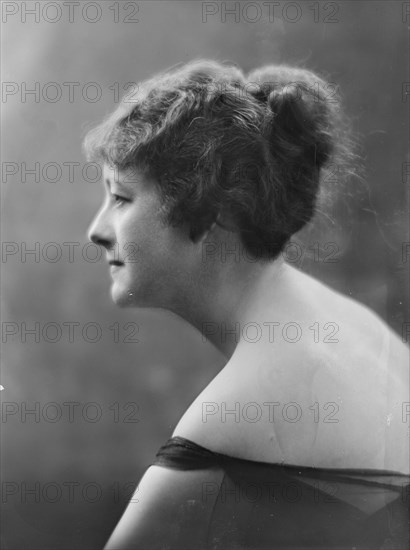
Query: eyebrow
x=116, y=182
x=126, y=184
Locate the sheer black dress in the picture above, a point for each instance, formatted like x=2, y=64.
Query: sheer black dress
x=243, y=504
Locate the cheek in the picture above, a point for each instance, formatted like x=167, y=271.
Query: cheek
x=143, y=237
x=142, y=243
x=134, y=228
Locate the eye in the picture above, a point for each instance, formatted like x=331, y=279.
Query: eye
x=118, y=199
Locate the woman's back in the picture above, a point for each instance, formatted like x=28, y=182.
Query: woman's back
x=320, y=382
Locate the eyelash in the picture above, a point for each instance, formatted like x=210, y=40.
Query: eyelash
x=118, y=199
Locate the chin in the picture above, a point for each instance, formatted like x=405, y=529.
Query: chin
x=121, y=297
x=131, y=298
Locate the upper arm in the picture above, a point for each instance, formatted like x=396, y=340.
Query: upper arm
x=169, y=510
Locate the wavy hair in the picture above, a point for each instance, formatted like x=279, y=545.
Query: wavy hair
x=247, y=151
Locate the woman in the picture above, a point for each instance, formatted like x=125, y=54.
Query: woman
x=301, y=439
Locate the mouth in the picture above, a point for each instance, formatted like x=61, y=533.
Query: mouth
x=113, y=263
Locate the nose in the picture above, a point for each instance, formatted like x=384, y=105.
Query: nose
x=100, y=232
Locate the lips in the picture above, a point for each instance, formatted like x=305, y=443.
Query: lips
x=115, y=262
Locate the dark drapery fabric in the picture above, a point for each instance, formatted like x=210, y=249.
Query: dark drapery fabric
x=256, y=505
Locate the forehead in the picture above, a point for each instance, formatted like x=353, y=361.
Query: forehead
x=129, y=179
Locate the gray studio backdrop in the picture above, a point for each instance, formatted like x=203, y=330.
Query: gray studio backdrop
x=106, y=386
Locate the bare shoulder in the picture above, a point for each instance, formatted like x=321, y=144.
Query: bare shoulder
x=330, y=391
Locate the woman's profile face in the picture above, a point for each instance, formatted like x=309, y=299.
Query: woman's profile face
x=149, y=261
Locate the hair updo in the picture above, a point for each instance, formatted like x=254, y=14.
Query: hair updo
x=222, y=146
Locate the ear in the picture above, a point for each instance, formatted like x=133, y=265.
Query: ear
x=205, y=234
x=201, y=232
x=220, y=221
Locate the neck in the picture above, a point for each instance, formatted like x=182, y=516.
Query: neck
x=237, y=296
